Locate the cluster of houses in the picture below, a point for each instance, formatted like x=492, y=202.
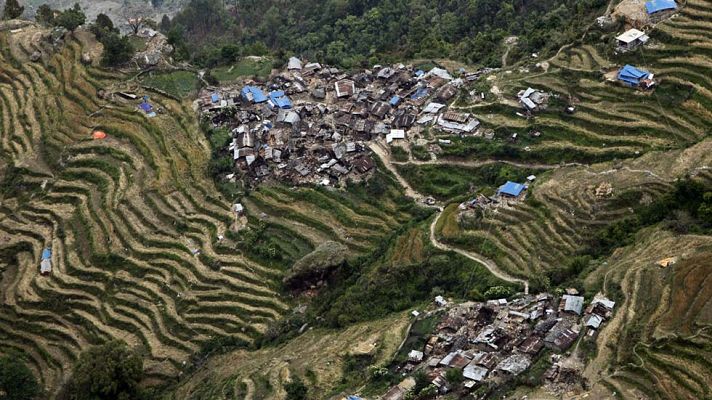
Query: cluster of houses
x=492, y=342
x=509, y=192
x=310, y=123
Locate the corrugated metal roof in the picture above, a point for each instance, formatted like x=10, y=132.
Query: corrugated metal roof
x=511, y=188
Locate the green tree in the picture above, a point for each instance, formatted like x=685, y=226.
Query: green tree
x=45, y=15
x=296, y=389
x=12, y=10
x=165, y=25
x=107, y=372
x=16, y=380
x=71, y=18
x=117, y=49
x=103, y=26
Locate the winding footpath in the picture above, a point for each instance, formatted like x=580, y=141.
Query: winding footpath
x=491, y=266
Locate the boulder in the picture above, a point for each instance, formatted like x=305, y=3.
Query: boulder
x=35, y=56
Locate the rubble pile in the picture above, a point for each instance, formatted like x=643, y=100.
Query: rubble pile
x=311, y=123
x=492, y=342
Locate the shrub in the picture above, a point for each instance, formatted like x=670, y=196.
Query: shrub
x=16, y=380
x=107, y=372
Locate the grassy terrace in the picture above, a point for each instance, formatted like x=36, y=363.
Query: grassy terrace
x=124, y=215
x=121, y=215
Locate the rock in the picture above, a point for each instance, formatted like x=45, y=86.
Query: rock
x=35, y=56
x=86, y=58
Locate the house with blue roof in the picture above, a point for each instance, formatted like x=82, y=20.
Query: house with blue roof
x=511, y=189
x=215, y=98
x=395, y=100
x=279, y=99
x=656, y=6
x=633, y=76
x=253, y=94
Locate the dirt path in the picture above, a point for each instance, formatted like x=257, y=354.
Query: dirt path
x=480, y=163
x=382, y=153
x=489, y=264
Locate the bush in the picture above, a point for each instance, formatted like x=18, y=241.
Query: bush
x=16, y=380
x=107, y=372
x=296, y=389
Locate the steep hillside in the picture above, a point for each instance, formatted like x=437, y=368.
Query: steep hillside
x=144, y=248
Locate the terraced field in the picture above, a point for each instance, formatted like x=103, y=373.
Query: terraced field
x=562, y=212
x=659, y=345
x=317, y=357
x=145, y=249
x=611, y=121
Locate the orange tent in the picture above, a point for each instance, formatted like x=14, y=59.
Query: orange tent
x=98, y=135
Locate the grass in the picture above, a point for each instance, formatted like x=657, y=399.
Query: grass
x=245, y=68
x=178, y=83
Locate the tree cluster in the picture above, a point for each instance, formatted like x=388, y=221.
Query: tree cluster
x=107, y=372
x=12, y=10
x=354, y=33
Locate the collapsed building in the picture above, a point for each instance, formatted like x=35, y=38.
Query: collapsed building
x=311, y=123
x=492, y=342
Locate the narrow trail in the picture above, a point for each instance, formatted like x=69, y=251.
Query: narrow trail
x=480, y=163
x=382, y=153
x=489, y=264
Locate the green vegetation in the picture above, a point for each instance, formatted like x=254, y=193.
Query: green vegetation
x=12, y=9
x=381, y=283
x=178, y=83
x=687, y=209
x=446, y=182
x=296, y=389
x=107, y=372
x=316, y=265
x=245, y=68
x=353, y=33
x=71, y=18
x=16, y=380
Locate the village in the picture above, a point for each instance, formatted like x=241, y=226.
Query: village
x=479, y=346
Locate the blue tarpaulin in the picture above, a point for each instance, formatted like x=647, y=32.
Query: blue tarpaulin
x=146, y=107
x=419, y=73
x=632, y=75
x=46, y=253
x=394, y=101
x=511, y=189
x=654, y=6
x=419, y=94
x=215, y=98
x=280, y=99
x=252, y=93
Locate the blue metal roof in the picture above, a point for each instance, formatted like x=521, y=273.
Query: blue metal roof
x=394, y=101
x=352, y=397
x=46, y=253
x=257, y=95
x=654, y=6
x=632, y=75
x=419, y=72
x=280, y=99
x=511, y=188
x=215, y=98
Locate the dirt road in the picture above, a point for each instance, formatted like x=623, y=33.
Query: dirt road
x=382, y=153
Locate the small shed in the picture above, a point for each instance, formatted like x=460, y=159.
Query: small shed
x=46, y=262
x=631, y=38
